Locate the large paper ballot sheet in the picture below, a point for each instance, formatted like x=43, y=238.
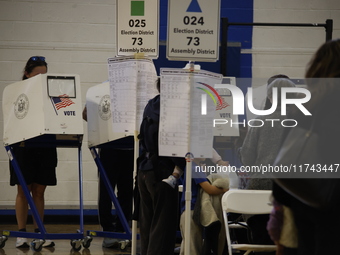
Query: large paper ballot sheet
x=188, y=105
x=43, y=104
x=99, y=116
x=132, y=85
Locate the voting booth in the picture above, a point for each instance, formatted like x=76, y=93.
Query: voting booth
x=99, y=116
x=45, y=105
x=101, y=134
x=114, y=112
x=44, y=111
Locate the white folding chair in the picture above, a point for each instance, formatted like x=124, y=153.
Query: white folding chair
x=246, y=202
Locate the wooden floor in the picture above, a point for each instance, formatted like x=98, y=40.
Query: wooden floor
x=62, y=246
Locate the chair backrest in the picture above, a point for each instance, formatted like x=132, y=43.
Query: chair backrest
x=247, y=201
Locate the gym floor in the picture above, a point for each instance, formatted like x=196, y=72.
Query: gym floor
x=62, y=246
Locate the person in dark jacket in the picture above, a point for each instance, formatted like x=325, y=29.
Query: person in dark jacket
x=158, y=200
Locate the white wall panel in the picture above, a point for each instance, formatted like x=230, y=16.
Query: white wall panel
x=287, y=50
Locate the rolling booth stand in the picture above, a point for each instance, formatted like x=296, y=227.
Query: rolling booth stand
x=100, y=135
x=114, y=111
x=49, y=108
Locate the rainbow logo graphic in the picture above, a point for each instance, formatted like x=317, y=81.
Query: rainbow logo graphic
x=220, y=102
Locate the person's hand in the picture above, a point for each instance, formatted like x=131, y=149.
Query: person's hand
x=198, y=161
x=222, y=163
x=225, y=190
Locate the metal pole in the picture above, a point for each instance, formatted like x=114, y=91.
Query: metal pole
x=81, y=199
x=134, y=222
x=189, y=158
x=224, y=46
x=261, y=24
x=329, y=29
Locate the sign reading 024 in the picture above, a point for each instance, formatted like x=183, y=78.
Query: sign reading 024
x=193, y=30
x=137, y=27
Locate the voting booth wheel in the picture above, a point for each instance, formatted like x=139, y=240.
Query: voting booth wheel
x=87, y=241
x=3, y=240
x=76, y=244
x=124, y=244
x=37, y=244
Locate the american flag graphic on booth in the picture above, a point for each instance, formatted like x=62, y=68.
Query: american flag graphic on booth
x=62, y=101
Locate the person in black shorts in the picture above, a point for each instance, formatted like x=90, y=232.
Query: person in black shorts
x=38, y=166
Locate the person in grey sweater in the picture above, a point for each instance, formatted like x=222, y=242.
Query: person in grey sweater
x=263, y=140
x=260, y=148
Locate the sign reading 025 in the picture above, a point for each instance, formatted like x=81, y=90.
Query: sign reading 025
x=193, y=30
x=137, y=27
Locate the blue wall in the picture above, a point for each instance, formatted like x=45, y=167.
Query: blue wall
x=239, y=65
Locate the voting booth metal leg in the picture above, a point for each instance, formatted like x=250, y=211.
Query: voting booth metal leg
x=187, y=212
x=77, y=239
x=134, y=222
x=119, y=211
x=81, y=192
x=81, y=204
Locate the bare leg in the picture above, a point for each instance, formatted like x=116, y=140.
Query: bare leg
x=38, y=192
x=21, y=207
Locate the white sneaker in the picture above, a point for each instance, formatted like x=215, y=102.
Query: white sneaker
x=171, y=180
x=22, y=243
x=48, y=244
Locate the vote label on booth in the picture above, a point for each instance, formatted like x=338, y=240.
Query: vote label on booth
x=193, y=30
x=137, y=27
